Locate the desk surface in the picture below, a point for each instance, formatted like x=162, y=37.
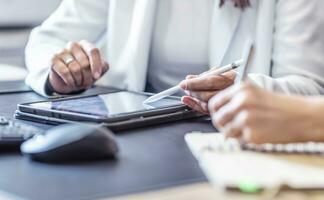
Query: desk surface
x=207, y=192
x=150, y=158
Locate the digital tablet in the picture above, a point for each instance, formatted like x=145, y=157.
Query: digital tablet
x=121, y=107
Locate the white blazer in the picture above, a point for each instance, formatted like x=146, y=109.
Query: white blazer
x=288, y=36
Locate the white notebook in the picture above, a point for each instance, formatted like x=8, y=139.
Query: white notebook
x=227, y=164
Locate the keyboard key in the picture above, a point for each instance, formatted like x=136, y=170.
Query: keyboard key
x=15, y=133
x=3, y=121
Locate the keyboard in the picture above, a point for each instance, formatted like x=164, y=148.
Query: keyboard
x=14, y=133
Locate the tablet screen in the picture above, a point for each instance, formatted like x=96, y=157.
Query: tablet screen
x=107, y=105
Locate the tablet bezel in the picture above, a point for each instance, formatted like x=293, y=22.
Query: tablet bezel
x=74, y=116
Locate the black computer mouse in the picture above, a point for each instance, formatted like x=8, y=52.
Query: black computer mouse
x=71, y=142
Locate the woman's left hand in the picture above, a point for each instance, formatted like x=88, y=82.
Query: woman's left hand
x=201, y=89
x=257, y=116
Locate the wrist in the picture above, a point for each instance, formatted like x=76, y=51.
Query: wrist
x=314, y=118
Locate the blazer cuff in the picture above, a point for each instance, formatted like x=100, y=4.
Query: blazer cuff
x=49, y=90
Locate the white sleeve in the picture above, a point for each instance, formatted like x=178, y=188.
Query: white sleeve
x=74, y=20
x=298, y=49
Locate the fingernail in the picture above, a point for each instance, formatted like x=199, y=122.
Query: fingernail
x=97, y=75
x=184, y=85
x=185, y=101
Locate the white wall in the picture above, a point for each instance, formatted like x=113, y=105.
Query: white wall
x=17, y=17
x=25, y=12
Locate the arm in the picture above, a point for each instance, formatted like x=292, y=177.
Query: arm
x=74, y=20
x=297, y=60
x=298, y=46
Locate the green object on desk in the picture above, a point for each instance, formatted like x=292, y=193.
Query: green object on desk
x=248, y=186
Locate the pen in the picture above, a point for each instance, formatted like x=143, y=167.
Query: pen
x=241, y=72
x=177, y=88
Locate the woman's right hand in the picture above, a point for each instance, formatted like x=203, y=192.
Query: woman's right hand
x=257, y=116
x=76, y=67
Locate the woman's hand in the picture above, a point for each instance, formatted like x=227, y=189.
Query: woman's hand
x=257, y=116
x=76, y=67
x=201, y=89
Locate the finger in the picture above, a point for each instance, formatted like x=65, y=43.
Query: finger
x=226, y=113
x=245, y=122
x=73, y=67
x=222, y=98
x=87, y=78
x=105, y=67
x=94, y=56
x=235, y=129
x=78, y=53
x=82, y=61
x=204, y=96
x=76, y=72
x=63, y=72
x=183, y=84
x=192, y=103
x=257, y=129
x=203, y=83
x=191, y=76
x=232, y=131
x=195, y=105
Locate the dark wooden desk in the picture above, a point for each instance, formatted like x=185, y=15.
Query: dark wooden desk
x=151, y=158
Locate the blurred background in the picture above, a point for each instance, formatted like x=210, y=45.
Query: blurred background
x=17, y=18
